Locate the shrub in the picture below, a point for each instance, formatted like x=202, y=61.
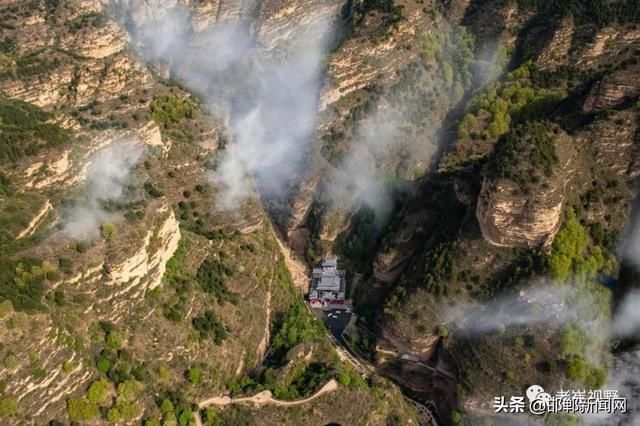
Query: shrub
x=443, y=330
x=98, y=392
x=211, y=276
x=108, y=230
x=24, y=130
x=170, y=109
x=8, y=406
x=577, y=369
x=39, y=373
x=10, y=361
x=194, y=375
x=114, y=339
x=79, y=409
x=153, y=190
x=208, y=326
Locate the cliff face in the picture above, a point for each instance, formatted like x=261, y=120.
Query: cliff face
x=149, y=261
x=480, y=230
x=449, y=142
x=126, y=267
x=510, y=222
x=614, y=89
x=511, y=218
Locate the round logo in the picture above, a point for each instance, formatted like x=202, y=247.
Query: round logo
x=533, y=391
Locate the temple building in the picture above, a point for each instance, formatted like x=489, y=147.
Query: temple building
x=328, y=286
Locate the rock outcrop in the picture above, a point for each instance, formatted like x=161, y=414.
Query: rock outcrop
x=511, y=221
x=613, y=89
x=556, y=52
x=149, y=262
x=511, y=217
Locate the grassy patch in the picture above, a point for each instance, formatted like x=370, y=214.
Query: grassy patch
x=169, y=109
x=24, y=130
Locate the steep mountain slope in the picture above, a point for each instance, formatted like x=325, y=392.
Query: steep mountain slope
x=127, y=296
x=472, y=163
x=499, y=261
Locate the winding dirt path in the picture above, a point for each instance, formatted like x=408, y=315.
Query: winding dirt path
x=266, y=398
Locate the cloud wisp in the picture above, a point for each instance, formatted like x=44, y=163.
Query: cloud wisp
x=266, y=91
x=107, y=175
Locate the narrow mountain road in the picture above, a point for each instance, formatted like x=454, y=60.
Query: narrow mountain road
x=260, y=399
x=300, y=278
x=266, y=398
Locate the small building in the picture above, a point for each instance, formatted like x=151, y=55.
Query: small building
x=328, y=286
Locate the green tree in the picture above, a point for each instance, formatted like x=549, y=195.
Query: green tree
x=10, y=361
x=185, y=418
x=194, y=375
x=572, y=341
x=113, y=339
x=103, y=364
x=456, y=417
x=123, y=410
x=577, y=368
x=98, y=392
x=447, y=72
x=108, y=230
x=79, y=409
x=129, y=390
x=443, y=330
x=152, y=421
x=570, y=244
x=167, y=406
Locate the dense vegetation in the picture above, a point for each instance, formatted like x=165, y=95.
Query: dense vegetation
x=286, y=374
x=573, y=254
x=297, y=326
x=599, y=12
x=515, y=98
x=167, y=109
x=22, y=282
x=209, y=327
x=211, y=276
x=453, y=52
x=390, y=12
x=496, y=109
x=24, y=130
x=88, y=20
x=210, y=279
x=526, y=154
